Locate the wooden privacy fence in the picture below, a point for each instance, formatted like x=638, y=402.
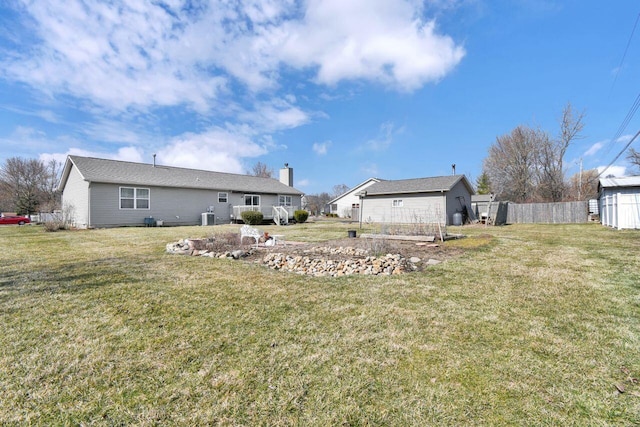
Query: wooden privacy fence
x=548, y=213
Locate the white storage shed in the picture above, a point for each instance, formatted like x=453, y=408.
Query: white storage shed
x=619, y=202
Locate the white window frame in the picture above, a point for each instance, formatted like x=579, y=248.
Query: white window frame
x=397, y=203
x=136, y=198
x=221, y=197
x=284, y=200
x=252, y=196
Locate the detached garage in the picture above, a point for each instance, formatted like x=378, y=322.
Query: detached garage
x=620, y=202
x=418, y=201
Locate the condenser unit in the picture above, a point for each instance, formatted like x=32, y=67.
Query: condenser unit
x=208, y=218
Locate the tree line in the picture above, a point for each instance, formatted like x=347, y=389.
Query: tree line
x=527, y=164
x=29, y=185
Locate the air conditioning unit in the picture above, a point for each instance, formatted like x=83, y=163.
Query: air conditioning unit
x=208, y=218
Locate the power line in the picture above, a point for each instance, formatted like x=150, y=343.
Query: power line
x=627, y=119
x=618, y=156
x=634, y=108
x=625, y=52
x=632, y=111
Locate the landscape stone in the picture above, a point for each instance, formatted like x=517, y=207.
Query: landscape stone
x=317, y=261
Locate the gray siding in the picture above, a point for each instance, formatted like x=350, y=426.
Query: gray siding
x=454, y=204
x=428, y=207
x=416, y=208
x=75, y=199
x=173, y=206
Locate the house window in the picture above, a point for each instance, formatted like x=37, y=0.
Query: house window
x=134, y=198
x=251, y=200
x=285, y=201
x=397, y=203
x=223, y=197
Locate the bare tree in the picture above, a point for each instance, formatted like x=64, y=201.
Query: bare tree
x=262, y=170
x=317, y=202
x=527, y=165
x=51, y=198
x=512, y=164
x=634, y=157
x=583, y=186
x=24, y=181
x=551, y=186
x=339, y=190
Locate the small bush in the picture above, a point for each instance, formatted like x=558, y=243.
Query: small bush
x=300, y=216
x=55, y=221
x=53, y=225
x=222, y=242
x=252, y=217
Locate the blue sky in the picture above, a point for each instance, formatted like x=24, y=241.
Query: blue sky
x=340, y=90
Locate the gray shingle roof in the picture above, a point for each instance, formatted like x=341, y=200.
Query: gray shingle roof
x=416, y=185
x=129, y=173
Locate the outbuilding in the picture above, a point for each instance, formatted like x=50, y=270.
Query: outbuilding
x=420, y=200
x=347, y=205
x=619, y=202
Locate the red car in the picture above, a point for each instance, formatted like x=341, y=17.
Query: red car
x=10, y=219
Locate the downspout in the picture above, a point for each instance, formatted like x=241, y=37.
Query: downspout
x=89, y=206
x=444, y=204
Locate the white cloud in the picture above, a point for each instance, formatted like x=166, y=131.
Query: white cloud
x=47, y=115
x=26, y=140
x=275, y=115
x=369, y=169
x=112, y=131
x=118, y=55
x=376, y=40
x=594, y=149
x=216, y=149
x=302, y=183
x=235, y=61
x=122, y=55
x=128, y=154
x=320, y=148
x=384, y=139
x=617, y=171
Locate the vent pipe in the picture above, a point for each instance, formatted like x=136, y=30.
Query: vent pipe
x=154, y=160
x=453, y=169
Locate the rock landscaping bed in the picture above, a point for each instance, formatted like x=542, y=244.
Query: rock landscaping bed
x=334, y=258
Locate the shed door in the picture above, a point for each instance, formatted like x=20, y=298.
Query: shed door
x=355, y=211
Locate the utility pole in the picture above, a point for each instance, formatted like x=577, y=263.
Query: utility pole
x=580, y=181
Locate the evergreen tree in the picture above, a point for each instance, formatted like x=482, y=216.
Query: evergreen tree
x=483, y=185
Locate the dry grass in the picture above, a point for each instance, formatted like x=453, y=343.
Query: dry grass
x=534, y=325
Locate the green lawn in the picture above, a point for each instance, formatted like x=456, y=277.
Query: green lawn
x=541, y=326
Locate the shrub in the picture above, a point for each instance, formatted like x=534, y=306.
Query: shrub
x=300, y=215
x=55, y=221
x=252, y=217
